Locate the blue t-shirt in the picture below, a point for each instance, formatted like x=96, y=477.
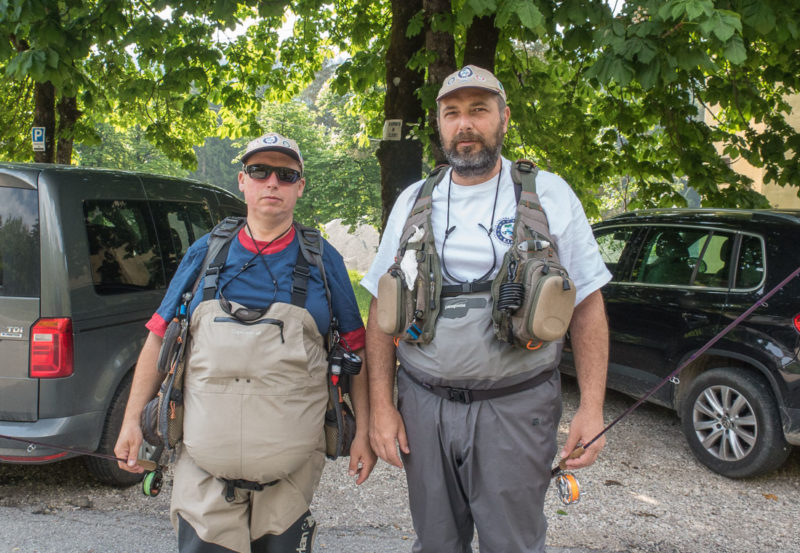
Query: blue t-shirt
x=254, y=287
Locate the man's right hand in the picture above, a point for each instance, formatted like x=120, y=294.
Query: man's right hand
x=128, y=445
x=386, y=432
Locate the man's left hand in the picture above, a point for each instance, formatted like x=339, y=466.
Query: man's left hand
x=362, y=458
x=583, y=428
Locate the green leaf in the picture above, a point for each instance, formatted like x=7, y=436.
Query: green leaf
x=416, y=24
x=648, y=77
x=735, y=51
x=529, y=15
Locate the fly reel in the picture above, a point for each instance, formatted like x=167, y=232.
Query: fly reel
x=569, y=489
x=151, y=484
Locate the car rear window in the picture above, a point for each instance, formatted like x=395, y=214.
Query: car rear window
x=750, y=271
x=685, y=257
x=20, y=269
x=123, y=248
x=179, y=224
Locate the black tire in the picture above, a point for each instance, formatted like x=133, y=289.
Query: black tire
x=105, y=470
x=731, y=421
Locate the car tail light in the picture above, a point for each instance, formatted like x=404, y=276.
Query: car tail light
x=796, y=322
x=51, y=348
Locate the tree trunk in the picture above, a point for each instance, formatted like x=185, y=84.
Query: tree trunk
x=482, y=37
x=68, y=114
x=442, y=44
x=44, y=115
x=401, y=160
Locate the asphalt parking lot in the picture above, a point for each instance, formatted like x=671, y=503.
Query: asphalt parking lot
x=645, y=494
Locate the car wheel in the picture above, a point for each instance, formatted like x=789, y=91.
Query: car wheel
x=105, y=470
x=731, y=421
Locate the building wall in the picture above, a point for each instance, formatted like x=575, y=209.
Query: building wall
x=784, y=197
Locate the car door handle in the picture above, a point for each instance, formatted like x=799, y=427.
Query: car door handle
x=693, y=320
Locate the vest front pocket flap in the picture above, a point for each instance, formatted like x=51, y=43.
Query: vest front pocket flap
x=391, y=304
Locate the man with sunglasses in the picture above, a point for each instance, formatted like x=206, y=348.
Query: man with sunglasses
x=477, y=418
x=256, y=389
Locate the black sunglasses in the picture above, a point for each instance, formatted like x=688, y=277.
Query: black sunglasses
x=259, y=171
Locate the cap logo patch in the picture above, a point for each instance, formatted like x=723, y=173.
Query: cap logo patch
x=272, y=139
x=465, y=73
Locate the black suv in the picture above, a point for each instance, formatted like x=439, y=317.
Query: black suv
x=680, y=276
x=85, y=256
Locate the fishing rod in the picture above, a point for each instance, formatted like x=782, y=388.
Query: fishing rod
x=153, y=478
x=566, y=483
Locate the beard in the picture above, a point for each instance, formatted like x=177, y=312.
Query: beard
x=475, y=160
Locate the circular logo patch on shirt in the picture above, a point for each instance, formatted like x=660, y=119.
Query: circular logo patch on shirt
x=504, y=230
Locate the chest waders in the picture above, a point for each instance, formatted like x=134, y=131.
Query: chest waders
x=254, y=394
x=531, y=299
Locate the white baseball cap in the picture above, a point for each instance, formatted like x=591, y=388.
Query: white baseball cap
x=273, y=141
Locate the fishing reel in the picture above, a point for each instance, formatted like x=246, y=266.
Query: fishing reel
x=567, y=485
x=569, y=489
x=152, y=482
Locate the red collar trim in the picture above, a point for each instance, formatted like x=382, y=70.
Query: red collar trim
x=255, y=245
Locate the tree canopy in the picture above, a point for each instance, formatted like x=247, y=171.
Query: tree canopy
x=629, y=101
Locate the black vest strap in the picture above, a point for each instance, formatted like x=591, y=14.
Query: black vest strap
x=211, y=277
x=466, y=288
x=300, y=276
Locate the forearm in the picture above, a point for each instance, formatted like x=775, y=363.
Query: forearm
x=359, y=393
x=381, y=360
x=146, y=378
x=589, y=339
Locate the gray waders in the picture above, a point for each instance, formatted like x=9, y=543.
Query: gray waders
x=481, y=418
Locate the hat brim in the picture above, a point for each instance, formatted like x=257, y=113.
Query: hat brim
x=274, y=148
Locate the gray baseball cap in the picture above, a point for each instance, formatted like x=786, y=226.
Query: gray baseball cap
x=471, y=76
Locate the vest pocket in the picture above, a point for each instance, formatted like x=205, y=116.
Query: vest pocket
x=549, y=301
x=392, y=303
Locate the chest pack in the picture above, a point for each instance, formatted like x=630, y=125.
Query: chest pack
x=163, y=417
x=533, y=296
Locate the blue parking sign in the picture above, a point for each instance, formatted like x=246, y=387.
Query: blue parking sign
x=37, y=136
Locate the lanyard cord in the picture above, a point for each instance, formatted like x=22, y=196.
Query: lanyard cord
x=258, y=253
x=449, y=229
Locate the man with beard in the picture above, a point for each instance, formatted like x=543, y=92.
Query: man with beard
x=478, y=418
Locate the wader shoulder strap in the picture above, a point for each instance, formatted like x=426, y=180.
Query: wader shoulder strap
x=219, y=242
x=311, y=243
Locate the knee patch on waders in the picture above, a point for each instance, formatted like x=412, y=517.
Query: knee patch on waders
x=299, y=537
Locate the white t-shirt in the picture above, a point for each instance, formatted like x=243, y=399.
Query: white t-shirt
x=468, y=252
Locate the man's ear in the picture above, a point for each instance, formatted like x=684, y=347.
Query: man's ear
x=241, y=182
x=301, y=187
x=508, y=116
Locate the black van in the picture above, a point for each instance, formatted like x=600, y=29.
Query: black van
x=85, y=256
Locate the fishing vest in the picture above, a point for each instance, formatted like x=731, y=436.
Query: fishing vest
x=532, y=295
x=255, y=389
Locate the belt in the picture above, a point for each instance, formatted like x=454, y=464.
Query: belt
x=465, y=395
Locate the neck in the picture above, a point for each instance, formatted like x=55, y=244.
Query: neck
x=268, y=230
x=469, y=180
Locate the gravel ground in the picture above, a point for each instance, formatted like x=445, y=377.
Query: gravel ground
x=645, y=494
